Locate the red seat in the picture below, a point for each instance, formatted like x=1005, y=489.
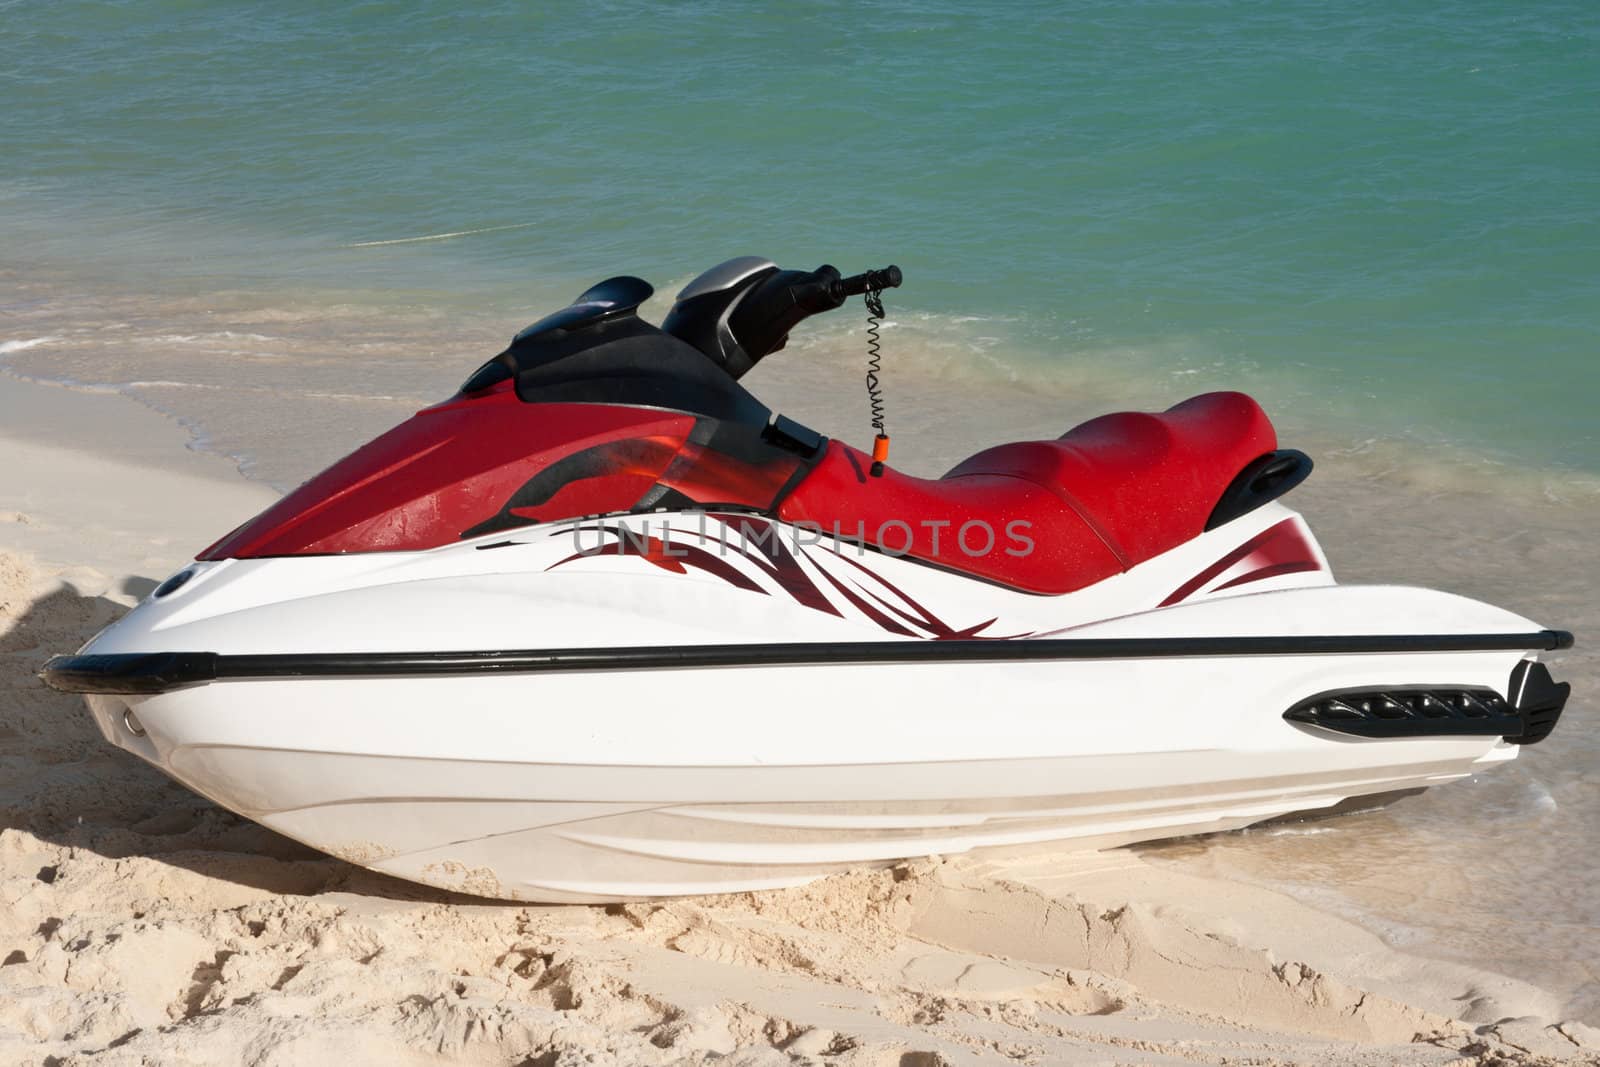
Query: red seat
x=1049, y=516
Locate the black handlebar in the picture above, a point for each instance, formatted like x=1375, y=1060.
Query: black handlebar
x=887, y=278
x=781, y=299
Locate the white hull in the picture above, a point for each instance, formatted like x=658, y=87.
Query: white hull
x=510, y=824
x=602, y=784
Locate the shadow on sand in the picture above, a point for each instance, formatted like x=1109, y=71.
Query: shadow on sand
x=66, y=785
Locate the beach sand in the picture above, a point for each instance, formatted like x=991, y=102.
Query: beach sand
x=140, y=923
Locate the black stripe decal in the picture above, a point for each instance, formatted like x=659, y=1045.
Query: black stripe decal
x=156, y=672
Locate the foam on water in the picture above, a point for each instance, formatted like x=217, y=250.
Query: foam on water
x=9, y=347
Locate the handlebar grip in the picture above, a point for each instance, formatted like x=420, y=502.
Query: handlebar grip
x=887, y=278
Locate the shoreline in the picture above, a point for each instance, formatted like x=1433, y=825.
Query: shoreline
x=101, y=479
x=214, y=359
x=933, y=417
x=950, y=962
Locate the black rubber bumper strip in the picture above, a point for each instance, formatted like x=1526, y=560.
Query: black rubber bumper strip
x=158, y=672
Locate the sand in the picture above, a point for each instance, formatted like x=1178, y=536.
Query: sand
x=141, y=924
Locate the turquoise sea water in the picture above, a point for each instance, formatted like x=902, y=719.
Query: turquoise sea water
x=1385, y=215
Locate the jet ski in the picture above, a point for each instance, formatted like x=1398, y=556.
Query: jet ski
x=603, y=626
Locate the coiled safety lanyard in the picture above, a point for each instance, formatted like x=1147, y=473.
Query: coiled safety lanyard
x=880, y=443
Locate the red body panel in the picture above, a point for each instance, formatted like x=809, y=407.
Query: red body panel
x=450, y=468
x=1043, y=516
x=709, y=477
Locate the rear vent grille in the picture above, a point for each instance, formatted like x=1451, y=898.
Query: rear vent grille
x=1438, y=711
x=1409, y=712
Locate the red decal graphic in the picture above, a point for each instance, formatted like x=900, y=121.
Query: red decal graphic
x=761, y=543
x=1280, y=549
